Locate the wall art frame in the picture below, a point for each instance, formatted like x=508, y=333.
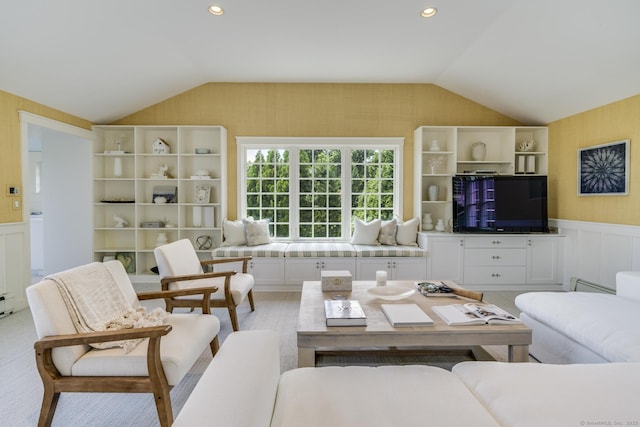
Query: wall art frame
x=603, y=170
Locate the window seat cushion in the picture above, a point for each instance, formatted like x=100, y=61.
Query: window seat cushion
x=270, y=250
x=388, y=251
x=320, y=249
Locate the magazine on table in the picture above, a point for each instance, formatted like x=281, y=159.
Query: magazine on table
x=474, y=314
x=344, y=313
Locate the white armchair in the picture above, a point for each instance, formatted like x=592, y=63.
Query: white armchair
x=180, y=268
x=67, y=363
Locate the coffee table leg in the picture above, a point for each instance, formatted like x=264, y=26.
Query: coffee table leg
x=306, y=357
x=518, y=353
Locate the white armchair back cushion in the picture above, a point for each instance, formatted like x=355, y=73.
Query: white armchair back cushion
x=51, y=317
x=177, y=259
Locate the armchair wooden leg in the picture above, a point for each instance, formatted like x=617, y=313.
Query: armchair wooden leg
x=250, y=297
x=163, y=406
x=234, y=317
x=48, y=409
x=215, y=346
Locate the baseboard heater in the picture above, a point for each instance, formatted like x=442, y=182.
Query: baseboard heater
x=6, y=305
x=576, y=282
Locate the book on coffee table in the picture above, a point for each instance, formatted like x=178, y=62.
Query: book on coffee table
x=474, y=314
x=400, y=315
x=344, y=313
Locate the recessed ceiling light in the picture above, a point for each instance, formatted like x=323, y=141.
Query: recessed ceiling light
x=216, y=10
x=428, y=12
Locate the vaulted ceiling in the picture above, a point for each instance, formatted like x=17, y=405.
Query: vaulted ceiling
x=534, y=60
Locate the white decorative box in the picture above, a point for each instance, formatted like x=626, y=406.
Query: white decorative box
x=335, y=280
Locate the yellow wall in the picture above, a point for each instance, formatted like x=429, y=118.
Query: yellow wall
x=283, y=109
x=10, y=146
x=609, y=123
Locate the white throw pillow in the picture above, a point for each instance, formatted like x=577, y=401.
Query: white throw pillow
x=233, y=233
x=387, y=235
x=407, y=234
x=365, y=233
x=257, y=232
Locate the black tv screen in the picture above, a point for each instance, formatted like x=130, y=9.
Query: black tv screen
x=500, y=204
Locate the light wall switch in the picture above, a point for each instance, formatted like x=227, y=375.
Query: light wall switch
x=15, y=203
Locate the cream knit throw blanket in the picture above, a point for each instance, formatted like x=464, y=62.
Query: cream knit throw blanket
x=96, y=303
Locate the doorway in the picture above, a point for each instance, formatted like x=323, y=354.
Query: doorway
x=60, y=213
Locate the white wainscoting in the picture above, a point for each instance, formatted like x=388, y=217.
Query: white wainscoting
x=14, y=262
x=596, y=251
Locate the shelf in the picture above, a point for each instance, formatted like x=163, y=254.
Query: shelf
x=136, y=165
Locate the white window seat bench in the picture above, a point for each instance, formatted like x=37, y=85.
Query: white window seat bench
x=285, y=265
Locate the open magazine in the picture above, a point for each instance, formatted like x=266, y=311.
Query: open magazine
x=474, y=314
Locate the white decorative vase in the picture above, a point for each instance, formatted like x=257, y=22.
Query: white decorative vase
x=117, y=167
x=440, y=225
x=432, y=192
x=434, y=145
x=161, y=239
x=427, y=222
x=478, y=151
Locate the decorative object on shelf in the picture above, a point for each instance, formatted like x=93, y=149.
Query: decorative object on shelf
x=120, y=222
x=427, y=222
x=204, y=242
x=432, y=192
x=168, y=193
x=161, y=239
x=201, y=174
x=108, y=258
x=440, y=225
x=152, y=224
x=118, y=141
x=381, y=278
x=162, y=172
x=434, y=145
x=435, y=162
x=203, y=151
x=160, y=146
x=203, y=192
x=197, y=216
x=128, y=260
x=117, y=167
x=527, y=145
x=520, y=165
x=478, y=151
x=531, y=163
x=208, y=217
x=603, y=170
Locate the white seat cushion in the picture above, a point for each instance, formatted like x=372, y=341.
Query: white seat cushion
x=319, y=249
x=606, y=324
x=179, y=350
x=386, y=396
x=534, y=394
x=364, y=251
x=270, y=250
x=241, y=284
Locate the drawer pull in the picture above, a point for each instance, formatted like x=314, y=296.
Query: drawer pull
x=496, y=257
x=496, y=242
x=495, y=275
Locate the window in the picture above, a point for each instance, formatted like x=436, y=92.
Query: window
x=311, y=188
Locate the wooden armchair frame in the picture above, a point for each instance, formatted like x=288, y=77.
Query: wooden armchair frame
x=228, y=297
x=156, y=382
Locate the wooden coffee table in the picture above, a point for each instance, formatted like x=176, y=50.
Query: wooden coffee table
x=314, y=335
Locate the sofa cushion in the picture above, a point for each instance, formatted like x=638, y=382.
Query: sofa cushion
x=239, y=387
x=270, y=250
x=387, y=235
x=320, y=249
x=375, y=396
x=533, y=394
x=233, y=233
x=388, y=251
x=407, y=233
x=257, y=232
x=606, y=324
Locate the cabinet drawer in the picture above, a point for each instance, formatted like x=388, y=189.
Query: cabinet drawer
x=494, y=241
x=491, y=257
x=495, y=275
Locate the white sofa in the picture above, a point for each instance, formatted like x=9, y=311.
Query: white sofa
x=585, y=327
x=475, y=393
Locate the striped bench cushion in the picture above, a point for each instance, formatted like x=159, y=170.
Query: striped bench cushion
x=388, y=251
x=270, y=250
x=320, y=249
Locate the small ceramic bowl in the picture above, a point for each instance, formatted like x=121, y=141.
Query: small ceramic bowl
x=202, y=151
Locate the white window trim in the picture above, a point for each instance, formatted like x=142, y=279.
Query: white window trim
x=244, y=143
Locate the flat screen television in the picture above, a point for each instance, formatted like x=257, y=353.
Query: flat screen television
x=500, y=204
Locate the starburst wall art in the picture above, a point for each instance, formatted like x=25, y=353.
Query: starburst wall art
x=603, y=170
